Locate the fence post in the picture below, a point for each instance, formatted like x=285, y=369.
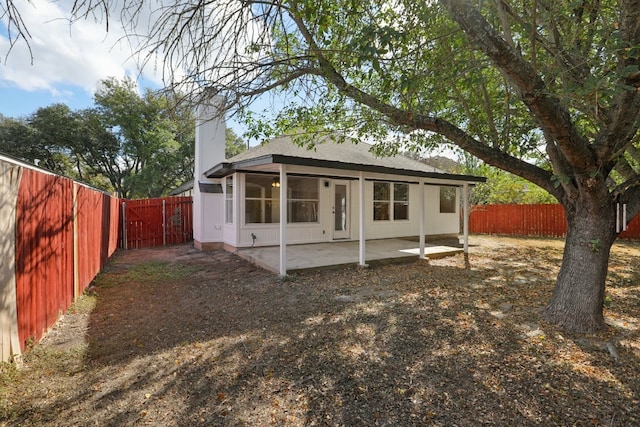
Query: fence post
x=164, y=222
x=76, y=244
x=124, y=225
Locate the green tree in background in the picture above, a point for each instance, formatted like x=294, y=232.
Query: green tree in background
x=234, y=144
x=502, y=187
x=148, y=145
x=136, y=145
x=43, y=138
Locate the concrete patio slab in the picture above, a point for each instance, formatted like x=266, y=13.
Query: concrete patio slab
x=339, y=254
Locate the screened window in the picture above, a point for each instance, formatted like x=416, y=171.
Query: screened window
x=262, y=199
x=228, y=200
x=381, y=201
x=447, y=200
x=400, y=201
x=390, y=201
x=303, y=199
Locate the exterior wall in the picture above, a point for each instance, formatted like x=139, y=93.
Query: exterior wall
x=436, y=223
x=211, y=219
x=240, y=234
x=269, y=234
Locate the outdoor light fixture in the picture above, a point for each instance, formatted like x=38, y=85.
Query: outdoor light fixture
x=276, y=182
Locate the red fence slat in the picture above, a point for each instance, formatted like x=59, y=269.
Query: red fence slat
x=51, y=268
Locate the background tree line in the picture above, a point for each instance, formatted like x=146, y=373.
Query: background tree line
x=137, y=145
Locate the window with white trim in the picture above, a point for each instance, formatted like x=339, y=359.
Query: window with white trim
x=400, y=201
x=303, y=199
x=228, y=200
x=390, y=201
x=261, y=199
x=447, y=199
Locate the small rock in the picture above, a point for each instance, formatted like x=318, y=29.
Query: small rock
x=535, y=333
x=506, y=307
x=612, y=350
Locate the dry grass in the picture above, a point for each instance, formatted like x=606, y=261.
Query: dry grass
x=180, y=338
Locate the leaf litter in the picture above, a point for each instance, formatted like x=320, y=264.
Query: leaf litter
x=177, y=337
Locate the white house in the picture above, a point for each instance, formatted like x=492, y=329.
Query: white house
x=283, y=194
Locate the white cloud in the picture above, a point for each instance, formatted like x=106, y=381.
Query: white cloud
x=78, y=54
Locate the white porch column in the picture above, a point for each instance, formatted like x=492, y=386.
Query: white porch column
x=283, y=221
x=361, y=259
x=421, y=184
x=465, y=208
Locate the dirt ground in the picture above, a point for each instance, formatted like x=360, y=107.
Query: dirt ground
x=176, y=337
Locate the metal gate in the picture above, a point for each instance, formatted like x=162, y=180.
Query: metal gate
x=157, y=222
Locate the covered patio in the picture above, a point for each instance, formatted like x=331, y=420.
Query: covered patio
x=341, y=254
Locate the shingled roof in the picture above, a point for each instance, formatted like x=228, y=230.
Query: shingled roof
x=329, y=154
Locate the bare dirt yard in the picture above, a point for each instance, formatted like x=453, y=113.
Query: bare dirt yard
x=176, y=337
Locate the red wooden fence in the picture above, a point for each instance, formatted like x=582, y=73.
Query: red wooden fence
x=97, y=228
x=44, y=252
x=65, y=233
x=529, y=220
x=61, y=234
x=157, y=222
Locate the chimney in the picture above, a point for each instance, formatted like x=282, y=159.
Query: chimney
x=210, y=135
x=208, y=199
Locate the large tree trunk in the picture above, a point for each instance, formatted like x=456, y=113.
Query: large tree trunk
x=577, y=300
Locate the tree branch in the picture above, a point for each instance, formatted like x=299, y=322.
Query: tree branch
x=551, y=116
x=401, y=117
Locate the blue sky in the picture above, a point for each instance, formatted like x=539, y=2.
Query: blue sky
x=65, y=62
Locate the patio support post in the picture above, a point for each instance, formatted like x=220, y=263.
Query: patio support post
x=421, y=184
x=465, y=220
x=283, y=221
x=361, y=259
x=236, y=207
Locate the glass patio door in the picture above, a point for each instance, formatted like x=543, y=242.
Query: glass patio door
x=341, y=209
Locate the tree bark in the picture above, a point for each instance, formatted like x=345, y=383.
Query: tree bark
x=577, y=301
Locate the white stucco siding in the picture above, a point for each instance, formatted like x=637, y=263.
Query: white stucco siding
x=269, y=234
x=211, y=217
x=436, y=222
x=392, y=228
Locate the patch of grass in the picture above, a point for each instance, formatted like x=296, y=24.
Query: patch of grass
x=50, y=361
x=85, y=303
x=147, y=272
x=8, y=373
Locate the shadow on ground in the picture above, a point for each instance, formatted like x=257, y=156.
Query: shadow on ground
x=180, y=337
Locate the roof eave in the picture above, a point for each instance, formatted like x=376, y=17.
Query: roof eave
x=226, y=168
